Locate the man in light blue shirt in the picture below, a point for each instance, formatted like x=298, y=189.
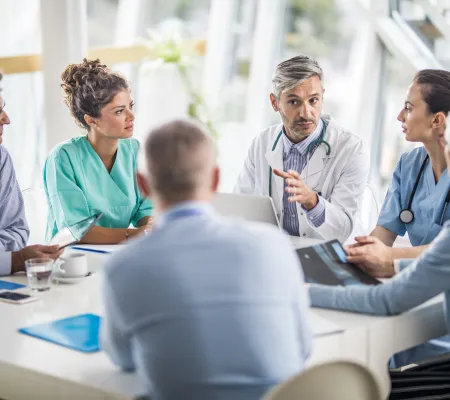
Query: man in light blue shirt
x=14, y=230
x=425, y=277
x=204, y=307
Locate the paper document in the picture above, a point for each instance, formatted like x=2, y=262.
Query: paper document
x=322, y=326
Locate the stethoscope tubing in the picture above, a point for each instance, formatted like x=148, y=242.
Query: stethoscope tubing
x=310, y=150
x=408, y=211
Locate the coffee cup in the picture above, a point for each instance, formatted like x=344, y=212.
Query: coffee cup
x=73, y=265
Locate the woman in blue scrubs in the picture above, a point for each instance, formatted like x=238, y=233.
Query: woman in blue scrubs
x=422, y=212
x=96, y=172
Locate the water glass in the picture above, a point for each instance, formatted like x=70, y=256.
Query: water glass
x=39, y=273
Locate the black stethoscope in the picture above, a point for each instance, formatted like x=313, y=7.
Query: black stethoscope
x=406, y=215
x=309, y=150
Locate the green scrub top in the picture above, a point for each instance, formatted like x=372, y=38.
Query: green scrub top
x=78, y=185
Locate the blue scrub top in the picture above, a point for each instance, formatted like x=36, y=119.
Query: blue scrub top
x=427, y=204
x=78, y=186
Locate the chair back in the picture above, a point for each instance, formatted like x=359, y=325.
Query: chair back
x=36, y=212
x=337, y=380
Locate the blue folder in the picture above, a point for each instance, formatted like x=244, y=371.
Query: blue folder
x=5, y=285
x=80, y=332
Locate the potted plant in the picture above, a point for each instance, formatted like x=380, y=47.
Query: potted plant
x=166, y=88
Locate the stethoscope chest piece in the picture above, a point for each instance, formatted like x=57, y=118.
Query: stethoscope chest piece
x=406, y=216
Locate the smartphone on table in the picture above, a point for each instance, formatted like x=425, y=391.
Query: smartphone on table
x=16, y=298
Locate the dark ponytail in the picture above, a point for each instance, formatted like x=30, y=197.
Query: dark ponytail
x=435, y=87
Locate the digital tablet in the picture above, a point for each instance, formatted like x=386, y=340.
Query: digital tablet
x=74, y=233
x=326, y=263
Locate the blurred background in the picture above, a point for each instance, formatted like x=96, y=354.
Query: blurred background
x=214, y=59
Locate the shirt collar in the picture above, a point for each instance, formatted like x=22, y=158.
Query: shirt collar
x=303, y=145
x=197, y=207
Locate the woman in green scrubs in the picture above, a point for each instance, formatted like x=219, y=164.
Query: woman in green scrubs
x=96, y=172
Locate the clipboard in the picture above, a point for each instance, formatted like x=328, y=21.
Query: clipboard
x=80, y=332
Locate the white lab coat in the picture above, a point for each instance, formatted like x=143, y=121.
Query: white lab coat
x=342, y=183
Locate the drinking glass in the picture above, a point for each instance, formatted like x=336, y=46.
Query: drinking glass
x=39, y=273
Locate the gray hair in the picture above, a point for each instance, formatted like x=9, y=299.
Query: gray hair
x=294, y=71
x=179, y=156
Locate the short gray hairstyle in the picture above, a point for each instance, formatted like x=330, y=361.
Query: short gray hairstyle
x=179, y=155
x=294, y=71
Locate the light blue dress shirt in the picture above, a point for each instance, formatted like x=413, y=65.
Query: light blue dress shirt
x=206, y=307
x=419, y=280
x=14, y=230
x=427, y=206
x=428, y=202
x=295, y=157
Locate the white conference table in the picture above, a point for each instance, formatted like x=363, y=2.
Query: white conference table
x=35, y=369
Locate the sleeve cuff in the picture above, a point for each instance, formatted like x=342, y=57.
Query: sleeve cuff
x=145, y=210
x=394, y=226
x=322, y=296
x=5, y=263
x=397, y=267
x=403, y=263
x=138, y=217
x=316, y=216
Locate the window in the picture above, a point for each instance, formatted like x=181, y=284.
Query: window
x=23, y=92
x=328, y=31
x=392, y=142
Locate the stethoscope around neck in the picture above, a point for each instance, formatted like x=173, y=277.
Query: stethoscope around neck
x=406, y=215
x=309, y=150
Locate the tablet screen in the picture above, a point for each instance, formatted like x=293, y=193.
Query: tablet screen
x=74, y=233
x=326, y=263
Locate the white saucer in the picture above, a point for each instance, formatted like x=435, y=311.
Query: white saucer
x=62, y=279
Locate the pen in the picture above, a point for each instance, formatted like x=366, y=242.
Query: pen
x=91, y=250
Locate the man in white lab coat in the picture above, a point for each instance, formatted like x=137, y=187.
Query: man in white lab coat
x=314, y=170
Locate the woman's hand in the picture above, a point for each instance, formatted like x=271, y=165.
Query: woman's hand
x=372, y=256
